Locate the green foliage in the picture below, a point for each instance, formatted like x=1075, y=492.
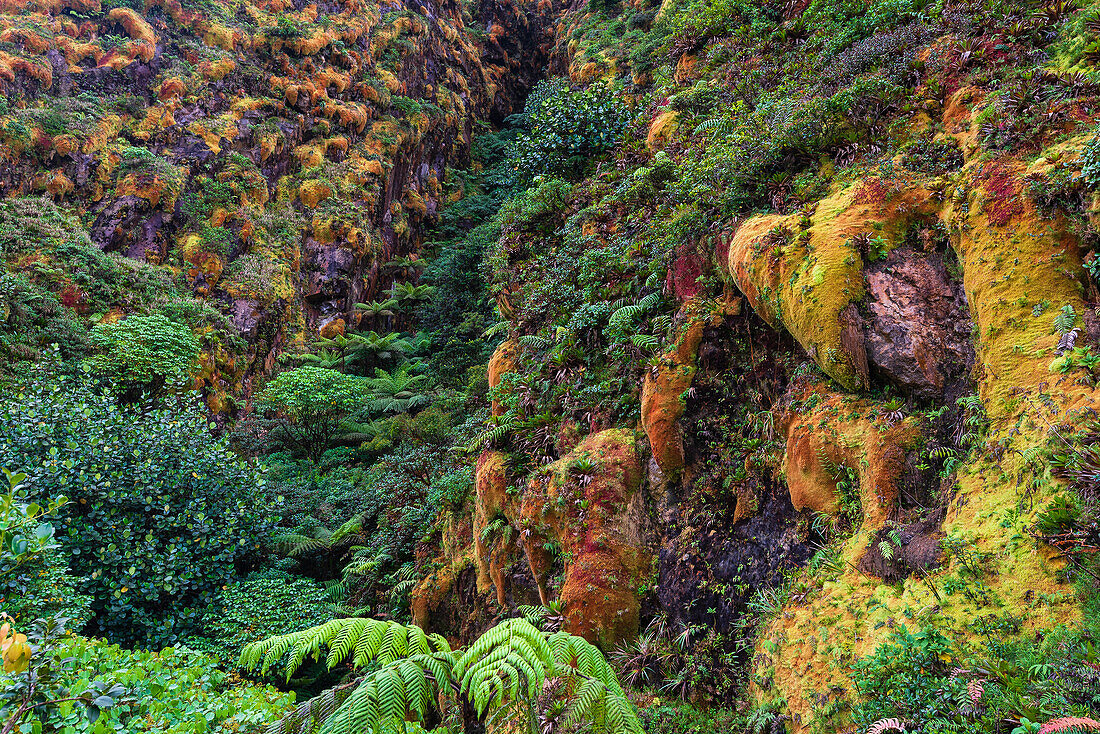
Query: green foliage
x=309, y=403
x=566, y=129
x=32, y=319
x=121, y=691
x=34, y=579
x=935, y=685
x=145, y=354
x=1090, y=161
x=161, y=514
x=259, y=605
x=501, y=674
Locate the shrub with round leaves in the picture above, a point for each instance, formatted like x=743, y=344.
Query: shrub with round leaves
x=161, y=514
x=565, y=129
x=145, y=353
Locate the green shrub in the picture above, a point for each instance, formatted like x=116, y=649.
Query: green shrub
x=161, y=514
x=175, y=691
x=309, y=404
x=566, y=129
x=145, y=354
x=34, y=578
x=258, y=606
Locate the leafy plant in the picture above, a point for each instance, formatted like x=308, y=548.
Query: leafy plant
x=34, y=579
x=144, y=355
x=408, y=674
x=161, y=514
x=308, y=404
x=83, y=686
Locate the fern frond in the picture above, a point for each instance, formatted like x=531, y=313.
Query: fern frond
x=363, y=639
x=1070, y=724
x=885, y=725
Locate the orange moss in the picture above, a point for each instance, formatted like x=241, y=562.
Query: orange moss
x=13, y=65
x=312, y=193
x=502, y=362
x=841, y=431
x=136, y=26
x=662, y=397
x=597, y=526
x=661, y=130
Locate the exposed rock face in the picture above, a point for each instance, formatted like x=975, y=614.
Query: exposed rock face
x=278, y=155
x=917, y=325
x=594, y=514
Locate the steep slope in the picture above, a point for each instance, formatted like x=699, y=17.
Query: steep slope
x=273, y=157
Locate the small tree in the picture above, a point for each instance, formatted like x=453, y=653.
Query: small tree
x=309, y=404
x=148, y=355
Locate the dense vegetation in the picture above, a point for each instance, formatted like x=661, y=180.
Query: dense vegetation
x=678, y=367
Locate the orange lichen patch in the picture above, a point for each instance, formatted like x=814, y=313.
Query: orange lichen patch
x=843, y=432
x=136, y=26
x=662, y=398
x=596, y=523
x=58, y=184
x=156, y=119
x=208, y=266
x=804, y=274
x=63, y=145
x=329, y=77
x=10, y=66
x=661, y=130
x=502, y=362
x=312, y=193
x=333, y=329
x=154, y=188
x=31, y=42
x=75, y=52
x=393, y=84
x=685, y=68
x=351, y=116
x=311, y=155
x=413, y=203
x=171, y=87
x=338, y=144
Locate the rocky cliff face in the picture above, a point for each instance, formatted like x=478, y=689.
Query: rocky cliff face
x=275, y=156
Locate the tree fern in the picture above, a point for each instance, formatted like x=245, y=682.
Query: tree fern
x=632, y=312
x=507, y=667
x=362, y=639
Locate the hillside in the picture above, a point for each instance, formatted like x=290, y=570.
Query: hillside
x=751, y=347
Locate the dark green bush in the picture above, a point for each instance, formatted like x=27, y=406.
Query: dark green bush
x=260, y=605
x=566, y=130
x=162, y=515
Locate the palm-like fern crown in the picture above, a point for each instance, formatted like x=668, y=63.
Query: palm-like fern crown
x=504, y=670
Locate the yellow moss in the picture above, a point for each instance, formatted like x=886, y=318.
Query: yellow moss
x=1009, y=265
x=803, y=275
x=312, y=193
x=662, y=129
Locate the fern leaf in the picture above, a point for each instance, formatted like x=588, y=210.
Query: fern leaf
x=885, y=725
